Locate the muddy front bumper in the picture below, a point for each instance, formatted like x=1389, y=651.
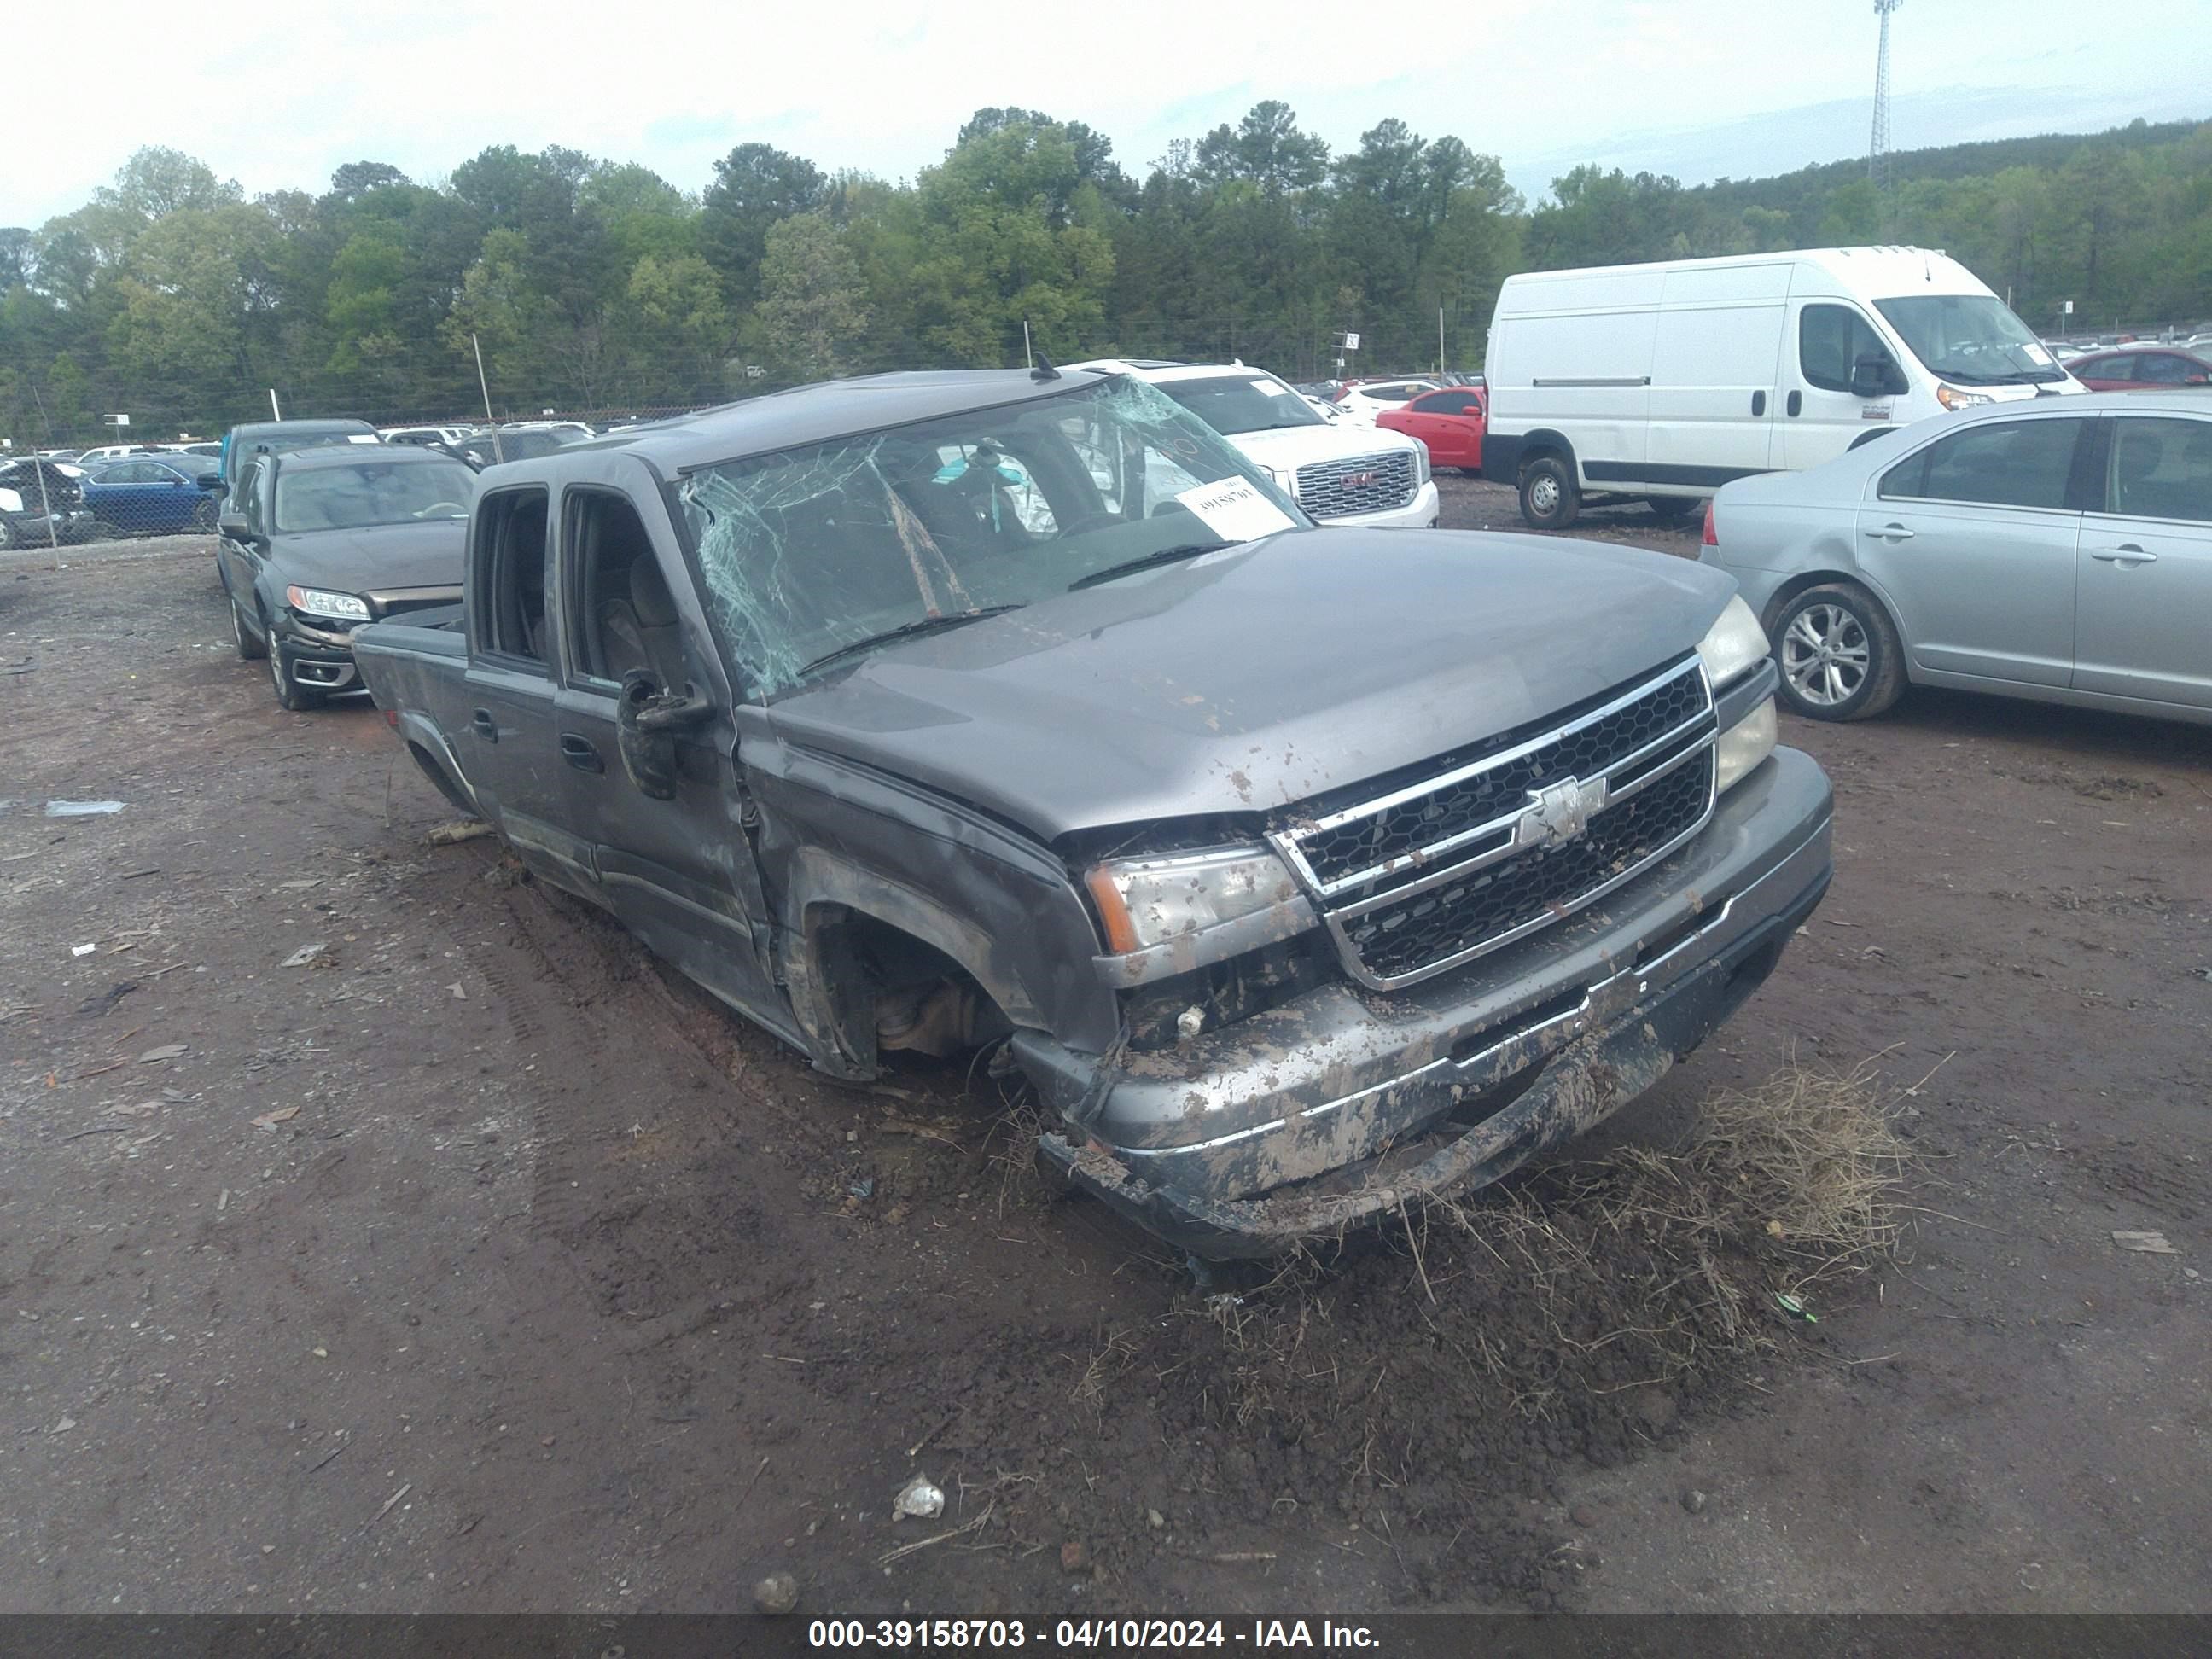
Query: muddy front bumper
x=1343, y=1104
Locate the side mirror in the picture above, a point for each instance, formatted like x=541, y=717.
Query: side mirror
x=646, y=720
x=1870, y=377
x=212, y=481
x=233, y=526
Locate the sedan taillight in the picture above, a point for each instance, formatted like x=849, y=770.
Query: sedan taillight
x=1709, y=538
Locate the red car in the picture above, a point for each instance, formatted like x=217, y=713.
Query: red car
x=2132, y=368
x=1449, y=421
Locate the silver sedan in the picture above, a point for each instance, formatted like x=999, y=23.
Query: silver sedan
x=2060, y=550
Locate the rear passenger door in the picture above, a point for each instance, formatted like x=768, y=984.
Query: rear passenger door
x=679, y=872
x=1973, y=537
x=506, y=745
x=2146, y=564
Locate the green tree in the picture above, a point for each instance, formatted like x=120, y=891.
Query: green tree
x=756, y=187
x=813, y=311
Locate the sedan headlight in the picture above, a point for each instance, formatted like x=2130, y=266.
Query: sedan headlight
x=1734, y=643
x=10, y=502
x=314, y=602
x=1146, y=902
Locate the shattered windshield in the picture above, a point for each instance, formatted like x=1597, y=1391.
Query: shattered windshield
x=1231, y=403
x=1973, y=339
x=812, y=554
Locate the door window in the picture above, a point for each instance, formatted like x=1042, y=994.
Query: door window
x=2122, y=367
x=129, y=473
x=621, y=616
x=250, y=497
x=508, y=559
x=1830, y=339
x=2157, y=369
x=1443, y=403
x=2160, y=469
x=2004, y=463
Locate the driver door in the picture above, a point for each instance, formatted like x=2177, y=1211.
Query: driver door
x=679, y=872
x=1820, y=416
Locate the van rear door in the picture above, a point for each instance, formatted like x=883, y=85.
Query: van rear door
x=1713, y=374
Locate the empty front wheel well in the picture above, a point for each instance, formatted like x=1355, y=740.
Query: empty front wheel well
x=864, y=985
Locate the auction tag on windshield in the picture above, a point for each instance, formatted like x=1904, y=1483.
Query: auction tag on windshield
x=1274, y=389
x=363, y=438
x=1234, y=511
x=2036, y=354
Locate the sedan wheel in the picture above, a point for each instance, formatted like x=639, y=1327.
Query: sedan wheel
x=1839, y=657
x=1826, y=654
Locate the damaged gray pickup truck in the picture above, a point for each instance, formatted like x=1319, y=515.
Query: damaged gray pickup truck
x=1303, y=872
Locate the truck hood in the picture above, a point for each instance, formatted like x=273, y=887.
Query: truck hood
x=1262, y=675
x=1291, y=446
x=385, y=556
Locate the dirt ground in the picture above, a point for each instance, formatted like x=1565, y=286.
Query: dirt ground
x=377, y=1231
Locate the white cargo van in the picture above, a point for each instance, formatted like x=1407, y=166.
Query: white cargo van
x=1664, y=381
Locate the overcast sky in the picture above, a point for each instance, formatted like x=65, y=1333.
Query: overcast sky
x=277, y=99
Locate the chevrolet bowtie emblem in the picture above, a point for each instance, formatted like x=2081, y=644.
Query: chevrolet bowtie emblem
x=1558, y=813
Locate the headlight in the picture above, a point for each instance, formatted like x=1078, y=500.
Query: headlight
x=1742, y=746
x=1952, y=398
x=10, y=502
x=1732, y=644
x=314, y=602
x=1145, y=901
x=1420, y=464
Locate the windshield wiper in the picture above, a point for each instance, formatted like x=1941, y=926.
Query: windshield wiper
x=1165, y=555
x=907, y=631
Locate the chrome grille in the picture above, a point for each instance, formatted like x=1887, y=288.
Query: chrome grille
x=1477, y=849
x=1365, y=483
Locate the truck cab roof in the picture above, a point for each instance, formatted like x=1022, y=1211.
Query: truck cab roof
x=831, y=408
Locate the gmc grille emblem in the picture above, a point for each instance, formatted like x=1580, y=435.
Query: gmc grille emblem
x=1359, y=480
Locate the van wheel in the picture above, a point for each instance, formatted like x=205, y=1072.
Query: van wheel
x=1548, y=499
x=1840, y=659
x=1668, y=508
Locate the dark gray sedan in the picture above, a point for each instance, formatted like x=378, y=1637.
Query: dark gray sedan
x=2059, y=549
x=318, y=541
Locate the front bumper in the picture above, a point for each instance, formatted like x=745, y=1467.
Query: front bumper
x=321, y=658
x=1341, y=1105
x=1420, y=513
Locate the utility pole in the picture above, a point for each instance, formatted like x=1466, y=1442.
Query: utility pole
x=498, y=450
x=1878, y=146
x=1440, y=342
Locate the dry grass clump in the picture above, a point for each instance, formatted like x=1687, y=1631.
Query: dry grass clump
x=1780, y=1188
x=1811, y=1156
